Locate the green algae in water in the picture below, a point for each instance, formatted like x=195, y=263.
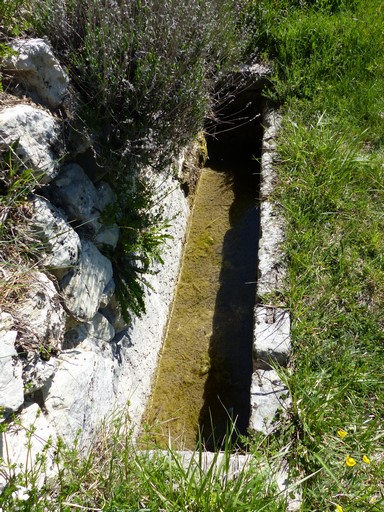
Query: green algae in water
x=180, y=394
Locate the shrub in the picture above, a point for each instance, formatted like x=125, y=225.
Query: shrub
x=145, y=72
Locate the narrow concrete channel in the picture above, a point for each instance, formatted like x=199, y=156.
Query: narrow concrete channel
x=205, y=370
x=224, y=330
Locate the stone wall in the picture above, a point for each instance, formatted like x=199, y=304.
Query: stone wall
x=67, y=360
x=269, y=394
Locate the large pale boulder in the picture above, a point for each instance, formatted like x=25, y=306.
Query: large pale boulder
x=41, y=317
x=75, y=193
x=28, y=445
x=34, y=65
x=83, y=286
x=37, y=134
x=81, y=393
x=61, y=243
x=11, y=382
x=94, y=335
x=268, y=395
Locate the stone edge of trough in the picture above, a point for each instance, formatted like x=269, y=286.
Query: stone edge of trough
x=269, y=395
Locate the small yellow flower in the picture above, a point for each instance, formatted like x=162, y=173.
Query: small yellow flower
x=350, y=461
x=366, y=459
x=342, y=433
x=339, y=508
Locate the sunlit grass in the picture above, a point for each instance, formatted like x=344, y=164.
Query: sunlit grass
x=113, y=476
x=328, y=79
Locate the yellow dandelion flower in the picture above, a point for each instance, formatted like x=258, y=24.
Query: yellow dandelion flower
x=350, y=461
x=366, y=459
x=339, y=508
x=342, y=433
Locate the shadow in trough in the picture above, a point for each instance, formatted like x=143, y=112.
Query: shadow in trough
x=227, y=389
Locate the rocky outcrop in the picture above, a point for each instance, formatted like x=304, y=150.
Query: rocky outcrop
x=67, y=358
x=36, y=137
x=34, y=67
x=60, y=243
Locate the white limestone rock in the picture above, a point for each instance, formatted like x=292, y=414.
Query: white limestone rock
x=37, y=372
x=108, y=234
x=93, y=335
x=105, y=194
x=113, y=312
x=288, y=487
x=108, y=294
x=75, y=193
x=24, y=447
x=38, y=135
x=271, y=265
x=61, y=243
x=268, y=395
x=251, y=77
x=272, y=341
x=83, y=286
x=34, y=65
x=203, y=462
x=271, y=123
x=11, y=382
x=83, y=203
x=81, y=393
x=41, y=316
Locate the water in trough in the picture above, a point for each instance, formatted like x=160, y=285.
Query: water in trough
x=204, y=374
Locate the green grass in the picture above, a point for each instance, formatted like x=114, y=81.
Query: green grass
x=113, y=476
x=11, y=25
x=328, y=82
x=19, y=247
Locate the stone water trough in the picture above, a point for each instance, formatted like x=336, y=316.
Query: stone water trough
x=95, y=362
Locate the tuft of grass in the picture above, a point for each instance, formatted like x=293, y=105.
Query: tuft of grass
x=113, y=476
x=11, y=25
x=18, y=246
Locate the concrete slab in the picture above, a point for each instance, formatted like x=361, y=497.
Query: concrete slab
x=271, y=340
x=268, y=395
